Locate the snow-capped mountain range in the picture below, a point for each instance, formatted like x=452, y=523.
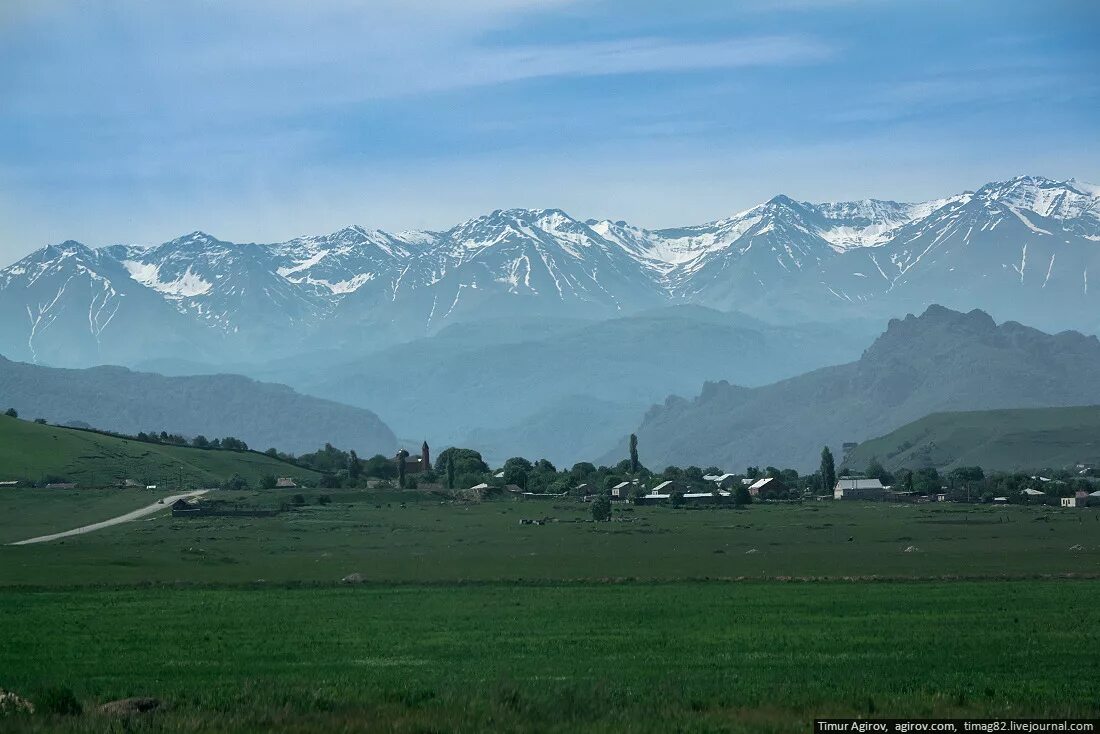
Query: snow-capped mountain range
x=1019, y=249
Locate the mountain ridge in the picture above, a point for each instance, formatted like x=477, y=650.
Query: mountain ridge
x=1020, y=249
x=264, y=415
x=940, y=360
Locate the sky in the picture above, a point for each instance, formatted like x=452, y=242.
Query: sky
x=261, y=120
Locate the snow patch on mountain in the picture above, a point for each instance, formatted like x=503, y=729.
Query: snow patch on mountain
x=187, y=285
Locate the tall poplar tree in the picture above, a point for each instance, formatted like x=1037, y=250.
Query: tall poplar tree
x=828, y=469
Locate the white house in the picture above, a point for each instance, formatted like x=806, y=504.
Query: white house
x=664, y=488
x=1072, y=502
x=722, y=480
x=622, y=490
x=766, y=485
x=858, y=488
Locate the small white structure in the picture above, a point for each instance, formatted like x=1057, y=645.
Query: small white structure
x=1071, y=502
x=722, y=480
x=1000, y=500
x=1029, y=492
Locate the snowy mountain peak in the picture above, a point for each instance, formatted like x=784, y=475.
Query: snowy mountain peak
x=1044, y=197
x=197, y=237
x=1030, y=235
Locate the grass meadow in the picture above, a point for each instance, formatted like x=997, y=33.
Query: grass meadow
x=411, y=537
x=753, y=620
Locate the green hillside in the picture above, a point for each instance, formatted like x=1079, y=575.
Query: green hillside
x=31, y=451
x=1007, y=440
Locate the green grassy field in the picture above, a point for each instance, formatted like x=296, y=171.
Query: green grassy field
x=32, y=512
x=30, y=451
x=1005, y=440
x=736, y=657
x=412, y=537
x=689, y=620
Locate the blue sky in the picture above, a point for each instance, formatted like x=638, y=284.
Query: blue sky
x=130, y=121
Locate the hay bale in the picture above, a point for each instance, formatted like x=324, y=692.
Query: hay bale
x=353, y=578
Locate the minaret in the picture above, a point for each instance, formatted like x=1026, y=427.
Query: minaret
x=425, y=458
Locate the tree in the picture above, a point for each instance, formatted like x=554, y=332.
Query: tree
x=601, y=508
x=235, y=482
x=379, y=467
x=402, y=461
x=355, y=466
x=963, y=474
x=268, y=481
x=582, y=470
x=11, y=413
x=828, y=470
x=466, y=461
x=676, y=498
x=516, y=470
x=634, y=453
x=742, y=496
x=875, y=470
x=40, y=421
x=450, y=472
x=752, y=472
x=926, y=481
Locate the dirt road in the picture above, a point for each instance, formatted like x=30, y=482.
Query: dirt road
x=128, y=517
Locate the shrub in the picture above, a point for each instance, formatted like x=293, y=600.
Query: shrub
x=601, y=508
x=742, y=496
x=58, y=700
x=11, y=413
x=235, y=482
